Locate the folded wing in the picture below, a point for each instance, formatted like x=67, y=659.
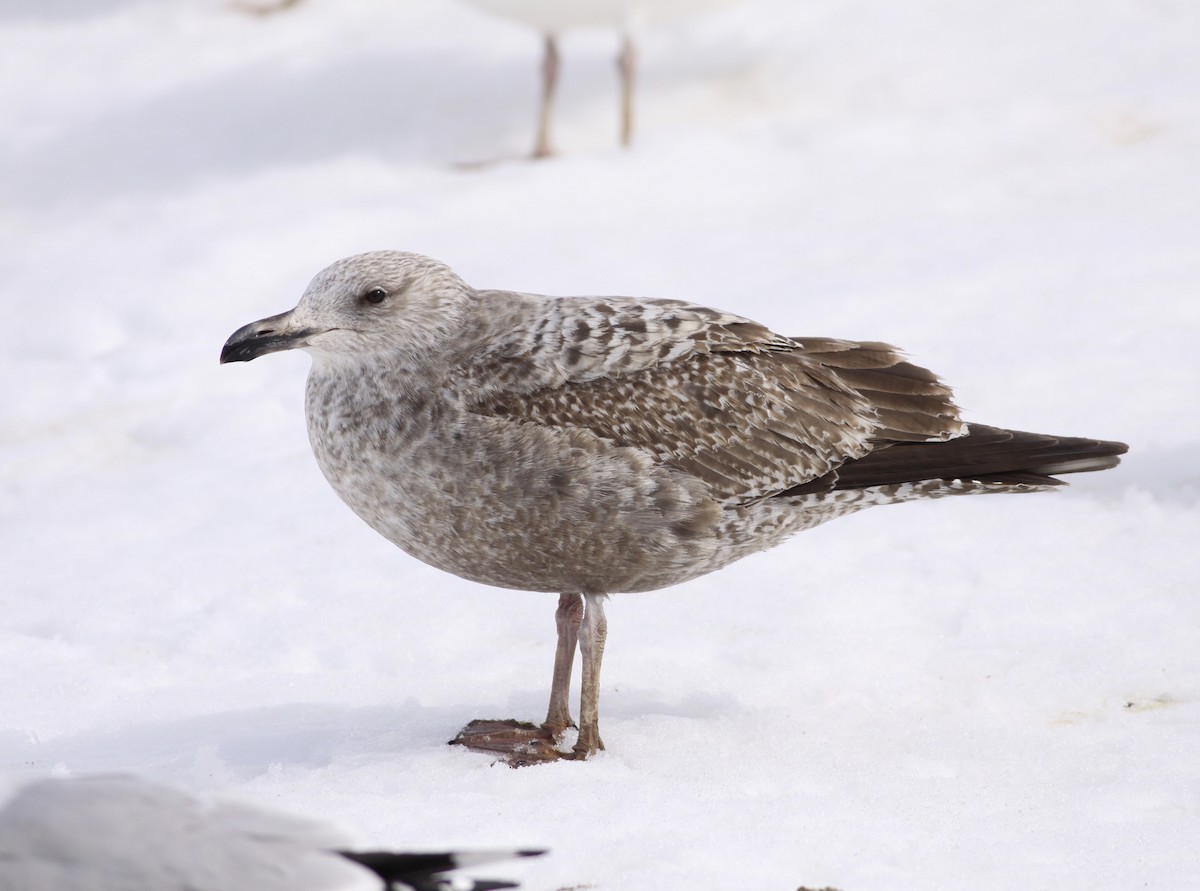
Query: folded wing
x=714, y=395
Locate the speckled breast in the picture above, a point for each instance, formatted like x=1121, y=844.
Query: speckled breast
x=512, y=505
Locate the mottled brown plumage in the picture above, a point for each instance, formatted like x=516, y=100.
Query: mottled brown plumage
x=591, y=446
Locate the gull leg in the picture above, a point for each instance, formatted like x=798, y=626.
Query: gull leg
x=627, y=66
x=567, y=619
x=521, y=743
x=592, y=634
x=550, y=65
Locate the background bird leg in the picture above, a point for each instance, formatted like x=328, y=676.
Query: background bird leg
x=542, y=147
x=627, y=66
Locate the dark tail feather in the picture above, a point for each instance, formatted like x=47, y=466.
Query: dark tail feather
x=985, y=454
x=421, y=872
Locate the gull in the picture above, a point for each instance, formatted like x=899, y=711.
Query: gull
x=123, y=833
x=551, y=17
x=599, y=445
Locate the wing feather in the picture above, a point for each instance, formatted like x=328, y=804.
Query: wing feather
x=714, y=395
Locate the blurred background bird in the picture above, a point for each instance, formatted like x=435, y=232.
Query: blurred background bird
x=119, y=832
x=551, y=18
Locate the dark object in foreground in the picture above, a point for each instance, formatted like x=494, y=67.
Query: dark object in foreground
x=426, y=872
x=593, y=446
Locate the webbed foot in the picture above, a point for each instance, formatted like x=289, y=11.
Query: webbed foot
x=519, y=743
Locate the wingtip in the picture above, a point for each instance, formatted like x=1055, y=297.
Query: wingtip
x=476, y=858
x=395, y=866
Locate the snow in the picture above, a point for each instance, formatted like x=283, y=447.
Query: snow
x=982, y=692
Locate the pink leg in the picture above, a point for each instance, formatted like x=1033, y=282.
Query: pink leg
x=567, y=619
x=542, y=147
x=520, y=743
x=627, y=66
x=592, y=634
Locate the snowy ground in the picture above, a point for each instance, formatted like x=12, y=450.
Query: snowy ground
x=990, y=693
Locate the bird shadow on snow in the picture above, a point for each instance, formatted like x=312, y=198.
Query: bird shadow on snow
x=389, y=107
x=239, y=745
x=41, y=10
x=1168, y=473
x=236, y=746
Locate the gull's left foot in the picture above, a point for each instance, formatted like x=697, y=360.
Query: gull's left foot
x=519, y=743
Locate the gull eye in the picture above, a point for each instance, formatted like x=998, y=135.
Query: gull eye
x=375, y=296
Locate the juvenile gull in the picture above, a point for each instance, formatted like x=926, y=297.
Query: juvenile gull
x=122, y=833
x=597, y=445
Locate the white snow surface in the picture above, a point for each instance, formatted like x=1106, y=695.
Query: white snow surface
x=983, y=693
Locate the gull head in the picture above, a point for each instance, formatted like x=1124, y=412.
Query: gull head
x=369, y=305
